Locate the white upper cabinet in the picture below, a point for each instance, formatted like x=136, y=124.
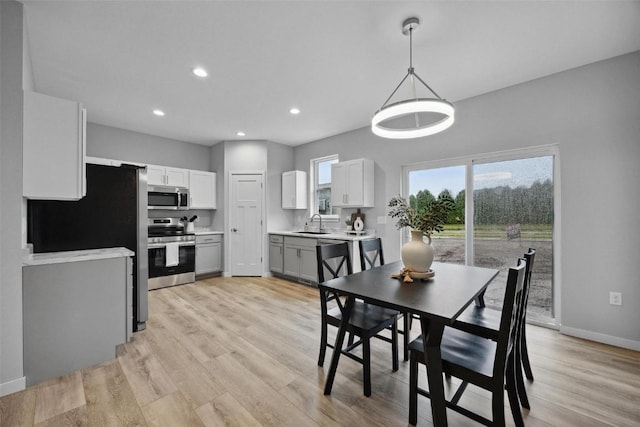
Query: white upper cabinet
x=162, y=175
x=53, y=148
x=352, y=183
x=177, y=177
x=294, y=190
x=202, y=190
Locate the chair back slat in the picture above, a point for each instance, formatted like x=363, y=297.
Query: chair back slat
x=509, y=321
x=330, y=255
x=370, y=252
x=530, y=258
x=326, y=255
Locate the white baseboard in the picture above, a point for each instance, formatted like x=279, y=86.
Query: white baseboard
x=13, y=386
x=603, y=338
x=226, y=274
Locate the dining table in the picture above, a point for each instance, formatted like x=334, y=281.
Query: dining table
x=438, y=301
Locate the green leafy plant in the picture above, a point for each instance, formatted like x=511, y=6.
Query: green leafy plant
x=430, y=219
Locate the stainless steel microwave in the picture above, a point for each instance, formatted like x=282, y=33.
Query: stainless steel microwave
x=168, y=198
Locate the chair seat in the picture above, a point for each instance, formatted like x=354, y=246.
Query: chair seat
x=483, y=321
x=463, y=349
x=364, y=316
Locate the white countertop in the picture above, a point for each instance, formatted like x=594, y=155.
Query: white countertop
x=332, y=235
x=75, y=256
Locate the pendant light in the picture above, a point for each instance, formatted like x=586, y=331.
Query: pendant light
x=402, y=110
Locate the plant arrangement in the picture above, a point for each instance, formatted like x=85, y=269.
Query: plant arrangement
x=429, y=220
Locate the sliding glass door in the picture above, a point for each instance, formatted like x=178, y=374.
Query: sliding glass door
x=505, y=204
x=512, y=212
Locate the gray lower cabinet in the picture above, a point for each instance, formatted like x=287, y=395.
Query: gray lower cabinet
x=74, y=315
x=300, y=258
x=208, y=254
x=276, y=253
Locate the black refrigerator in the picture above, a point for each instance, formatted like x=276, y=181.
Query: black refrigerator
x=112, y=214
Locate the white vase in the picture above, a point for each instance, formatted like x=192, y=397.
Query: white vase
x=416, y=254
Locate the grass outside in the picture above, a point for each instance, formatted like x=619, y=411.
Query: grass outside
x=498, y=231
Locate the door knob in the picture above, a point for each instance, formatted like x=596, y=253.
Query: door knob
x=234, y=230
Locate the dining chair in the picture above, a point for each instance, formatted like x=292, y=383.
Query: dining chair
x=366, y=320
x=486, y=363
x=485, y=321
x=372, y=255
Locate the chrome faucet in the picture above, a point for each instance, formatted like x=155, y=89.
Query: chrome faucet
x=320, y=217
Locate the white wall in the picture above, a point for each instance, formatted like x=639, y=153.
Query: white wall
x=11, y=73
x=593, y=114
x=121, y=144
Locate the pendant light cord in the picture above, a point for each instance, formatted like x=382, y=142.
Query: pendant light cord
x=410, y=48
x=411, y=73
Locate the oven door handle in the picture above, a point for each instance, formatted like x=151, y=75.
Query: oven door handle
x=164, y=245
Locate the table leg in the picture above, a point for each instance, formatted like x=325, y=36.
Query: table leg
x=337, y=349
x=431, y=338
x=479, y=300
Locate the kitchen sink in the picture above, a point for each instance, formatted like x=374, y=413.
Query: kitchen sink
x=311, y=232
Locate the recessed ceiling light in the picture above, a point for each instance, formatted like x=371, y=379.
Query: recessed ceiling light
x=158, y=112
x=200, y=72
x=240, y=133
x=294, y=110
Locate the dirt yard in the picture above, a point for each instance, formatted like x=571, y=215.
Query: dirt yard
x=502, y=254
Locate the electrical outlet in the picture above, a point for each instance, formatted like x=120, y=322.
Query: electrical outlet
x=615, y=298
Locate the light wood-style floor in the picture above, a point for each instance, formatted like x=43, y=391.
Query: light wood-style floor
x=243, y=352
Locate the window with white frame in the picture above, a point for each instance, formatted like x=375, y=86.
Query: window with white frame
x=321, y=186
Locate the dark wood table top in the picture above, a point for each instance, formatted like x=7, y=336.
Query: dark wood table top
x=443, y=297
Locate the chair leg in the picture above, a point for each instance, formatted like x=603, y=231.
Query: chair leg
x=497, y=406
x=323, y=343
x=394, y=344
x=512, y=392
x=525, y=354
x=519, y=379
x=351, y=338
x=407, y=334
x=413, y=390
x=366, y=365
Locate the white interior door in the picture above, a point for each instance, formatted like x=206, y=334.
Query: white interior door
x=245, y=220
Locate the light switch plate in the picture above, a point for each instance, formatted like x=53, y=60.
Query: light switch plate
x=615, y=298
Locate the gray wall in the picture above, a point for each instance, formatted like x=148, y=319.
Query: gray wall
x=240, y=156
x=279, y=160
x=217, y=165
x=257, y=156
x=593, y=114
x=11, y=204
x=120, y=144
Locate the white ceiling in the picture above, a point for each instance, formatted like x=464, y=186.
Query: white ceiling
x=335, y=60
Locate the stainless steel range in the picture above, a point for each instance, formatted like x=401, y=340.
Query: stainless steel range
x=172, y=253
